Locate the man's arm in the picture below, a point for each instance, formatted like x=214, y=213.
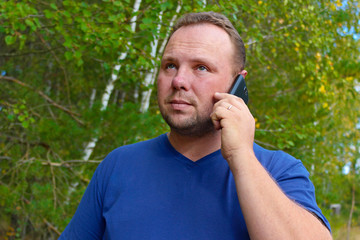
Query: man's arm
x=268, y=212
x=87, y=223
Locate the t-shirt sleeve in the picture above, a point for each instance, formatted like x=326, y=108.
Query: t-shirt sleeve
x=87, y=223
x=293, y=178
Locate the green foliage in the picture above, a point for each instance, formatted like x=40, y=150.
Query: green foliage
x=303, y=65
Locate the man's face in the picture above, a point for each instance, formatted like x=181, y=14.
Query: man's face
x=197, y=62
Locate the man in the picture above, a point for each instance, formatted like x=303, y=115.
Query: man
x=206, y=179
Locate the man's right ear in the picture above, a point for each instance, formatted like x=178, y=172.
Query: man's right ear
x=243, y=73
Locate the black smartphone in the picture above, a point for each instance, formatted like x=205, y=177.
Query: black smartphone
x=239, y=88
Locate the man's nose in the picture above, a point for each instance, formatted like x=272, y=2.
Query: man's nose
x=181, y=80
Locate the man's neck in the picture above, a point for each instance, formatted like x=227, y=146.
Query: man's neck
x=195, y=148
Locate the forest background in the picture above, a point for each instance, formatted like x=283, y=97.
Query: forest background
x=78, y=80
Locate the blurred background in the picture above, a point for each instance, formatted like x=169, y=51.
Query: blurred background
x=77, y=79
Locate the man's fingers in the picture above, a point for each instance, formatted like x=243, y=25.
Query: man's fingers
x=219, y=96
x=221, y=111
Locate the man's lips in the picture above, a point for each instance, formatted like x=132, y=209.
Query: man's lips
x=179, y=104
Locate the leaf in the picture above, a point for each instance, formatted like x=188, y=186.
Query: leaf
x=48, y=14
x=21, y=118
x=68, y=55
x=10, y=117
x=86, y=13
x=77, y=54
x=118, y=3
x=147, y=21
x=25, y=124
x=80, y=62
x=53, y=6
x=9, y=40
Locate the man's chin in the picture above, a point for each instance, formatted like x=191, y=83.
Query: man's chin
x=196, y=129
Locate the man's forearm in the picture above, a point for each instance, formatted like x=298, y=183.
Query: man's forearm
x=268, y=212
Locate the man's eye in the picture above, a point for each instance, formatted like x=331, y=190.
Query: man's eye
x=202, y=68
x=170, y=66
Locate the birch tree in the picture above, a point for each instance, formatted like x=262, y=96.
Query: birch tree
x=150, y=77
x=110, y=85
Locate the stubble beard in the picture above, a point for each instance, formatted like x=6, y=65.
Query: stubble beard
x=195, y=125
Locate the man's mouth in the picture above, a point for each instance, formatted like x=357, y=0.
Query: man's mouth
x=179, y=104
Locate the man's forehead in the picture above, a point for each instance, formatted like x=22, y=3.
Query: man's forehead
x=194, y=46
x=199, y=37
x=199, y=28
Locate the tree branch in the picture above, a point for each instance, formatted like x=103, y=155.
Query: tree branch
x=22, y=141
x=53, y=179
x=29, y=53
x=66, y=163
x=51, y=227
x=48, y=99
x=265, y=144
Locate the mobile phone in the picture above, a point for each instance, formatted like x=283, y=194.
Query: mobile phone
x=239, y=88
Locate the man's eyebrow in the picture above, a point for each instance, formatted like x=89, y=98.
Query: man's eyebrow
x=168, y=58
x=200, y=59
x=196, y=59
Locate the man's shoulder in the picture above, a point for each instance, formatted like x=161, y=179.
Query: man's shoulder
x=276, y=161
x=264, y=154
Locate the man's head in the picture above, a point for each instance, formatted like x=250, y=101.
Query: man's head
x=223, y=22
x=197, y=62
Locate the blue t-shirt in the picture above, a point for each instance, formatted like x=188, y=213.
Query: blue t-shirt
x=148, y=190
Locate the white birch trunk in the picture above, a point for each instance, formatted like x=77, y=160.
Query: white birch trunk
x=162, y=47
x=150, y=77
x=92, y=97
x=136, y=93
x=110, y=86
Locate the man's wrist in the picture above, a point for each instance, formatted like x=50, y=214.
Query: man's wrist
x=240, y=160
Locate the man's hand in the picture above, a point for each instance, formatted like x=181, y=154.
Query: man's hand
x=232, y=116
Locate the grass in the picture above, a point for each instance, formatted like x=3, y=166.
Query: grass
x=341, y=233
